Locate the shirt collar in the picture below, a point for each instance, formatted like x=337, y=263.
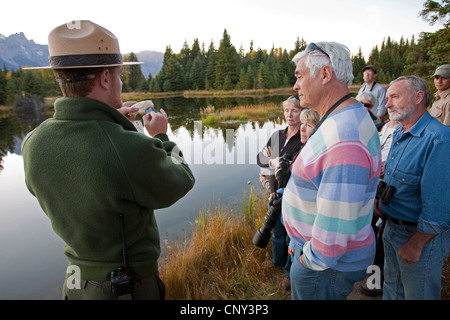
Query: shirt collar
x=420, y=125
x=442, y=95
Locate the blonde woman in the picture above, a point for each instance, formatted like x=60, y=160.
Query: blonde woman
x=308, y=121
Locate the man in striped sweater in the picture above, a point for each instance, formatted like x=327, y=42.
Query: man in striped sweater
x=328, y=201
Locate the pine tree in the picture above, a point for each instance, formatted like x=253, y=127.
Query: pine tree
x=227, y=63
x=132, y=76
x=197, y=73
x=242, y=83
x=210, y=73
x=32, y=83
x=300, y=45
x=358, y=63
x=3, y=84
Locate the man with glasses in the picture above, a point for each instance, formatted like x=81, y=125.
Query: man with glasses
x=378, y=90
x=328, y=202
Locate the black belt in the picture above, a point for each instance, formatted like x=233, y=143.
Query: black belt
x=401, y=222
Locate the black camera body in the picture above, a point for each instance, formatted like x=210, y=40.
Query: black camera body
x=263, y=234
x=283, y=171
x=122, y=284
x=384, y=192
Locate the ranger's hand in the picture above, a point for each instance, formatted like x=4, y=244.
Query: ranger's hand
x=156, y=122
x=128, y=111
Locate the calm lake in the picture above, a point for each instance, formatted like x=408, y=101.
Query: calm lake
x=222, y=158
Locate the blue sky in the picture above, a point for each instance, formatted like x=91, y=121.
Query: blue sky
x=152, y=25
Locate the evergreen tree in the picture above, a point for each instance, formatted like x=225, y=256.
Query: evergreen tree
x=227, y=63
x=32, y=83
x=263, y=78
x=250, y=77
x=300, y=45
x=171, y=77
x=174, y=79
x=210, y=73
x=154, y=85
x=358, y=63
x=242, y=83
x=197, y=74
x=3, y=84
x=436, y=11
x=185, y=56
x=132, y=76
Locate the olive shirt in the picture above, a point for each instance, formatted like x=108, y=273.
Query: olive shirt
x=86, y=166
x=441, y=107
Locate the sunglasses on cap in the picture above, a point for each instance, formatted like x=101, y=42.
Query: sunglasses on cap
x=294, y=97
x=313, y=47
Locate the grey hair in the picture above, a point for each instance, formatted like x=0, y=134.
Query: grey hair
x=416, y=84
x=309, y=116
x=367, y=96
x=340, y=61
x=295, y=103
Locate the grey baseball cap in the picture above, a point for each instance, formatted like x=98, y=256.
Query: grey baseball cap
x=443, y=71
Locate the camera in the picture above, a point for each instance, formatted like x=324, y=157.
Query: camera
x=122, y=284
x=384, y=192
x=263, y=234
x=283, y=171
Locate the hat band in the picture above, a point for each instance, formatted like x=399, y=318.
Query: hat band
x=85, y=60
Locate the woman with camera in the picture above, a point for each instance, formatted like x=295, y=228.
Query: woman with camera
x=285, y=141
x=307, y=120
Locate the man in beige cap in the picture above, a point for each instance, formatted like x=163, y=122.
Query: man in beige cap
x=441, y=106
x=97, y=178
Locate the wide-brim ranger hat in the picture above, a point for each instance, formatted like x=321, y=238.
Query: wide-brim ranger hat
x=83, y=44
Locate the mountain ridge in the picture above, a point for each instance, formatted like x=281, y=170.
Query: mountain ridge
x=16, y=51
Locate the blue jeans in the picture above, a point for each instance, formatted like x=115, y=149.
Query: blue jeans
x=307, y=284
x=280, y=241
x=415, y=281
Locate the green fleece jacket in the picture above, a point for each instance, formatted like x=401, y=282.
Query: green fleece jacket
x=86, y=166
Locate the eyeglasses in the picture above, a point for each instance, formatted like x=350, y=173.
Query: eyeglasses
x=313, y=47
x=294, y=97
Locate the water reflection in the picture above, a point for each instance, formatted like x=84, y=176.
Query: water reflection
x=221, y=158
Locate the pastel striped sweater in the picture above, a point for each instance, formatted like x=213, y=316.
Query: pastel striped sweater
x=328, y=202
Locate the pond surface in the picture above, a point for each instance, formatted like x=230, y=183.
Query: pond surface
x=222, y=159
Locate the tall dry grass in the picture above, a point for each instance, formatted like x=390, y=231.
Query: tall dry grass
x=259, y=112
x=219, y=261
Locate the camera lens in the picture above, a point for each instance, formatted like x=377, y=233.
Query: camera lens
x=263, y=234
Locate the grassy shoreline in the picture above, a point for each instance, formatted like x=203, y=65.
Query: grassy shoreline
x=219, y=261
x=126, y=96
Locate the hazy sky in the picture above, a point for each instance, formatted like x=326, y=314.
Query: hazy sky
x=152, y=25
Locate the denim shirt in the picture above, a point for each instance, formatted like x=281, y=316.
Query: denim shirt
x=417, y=166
